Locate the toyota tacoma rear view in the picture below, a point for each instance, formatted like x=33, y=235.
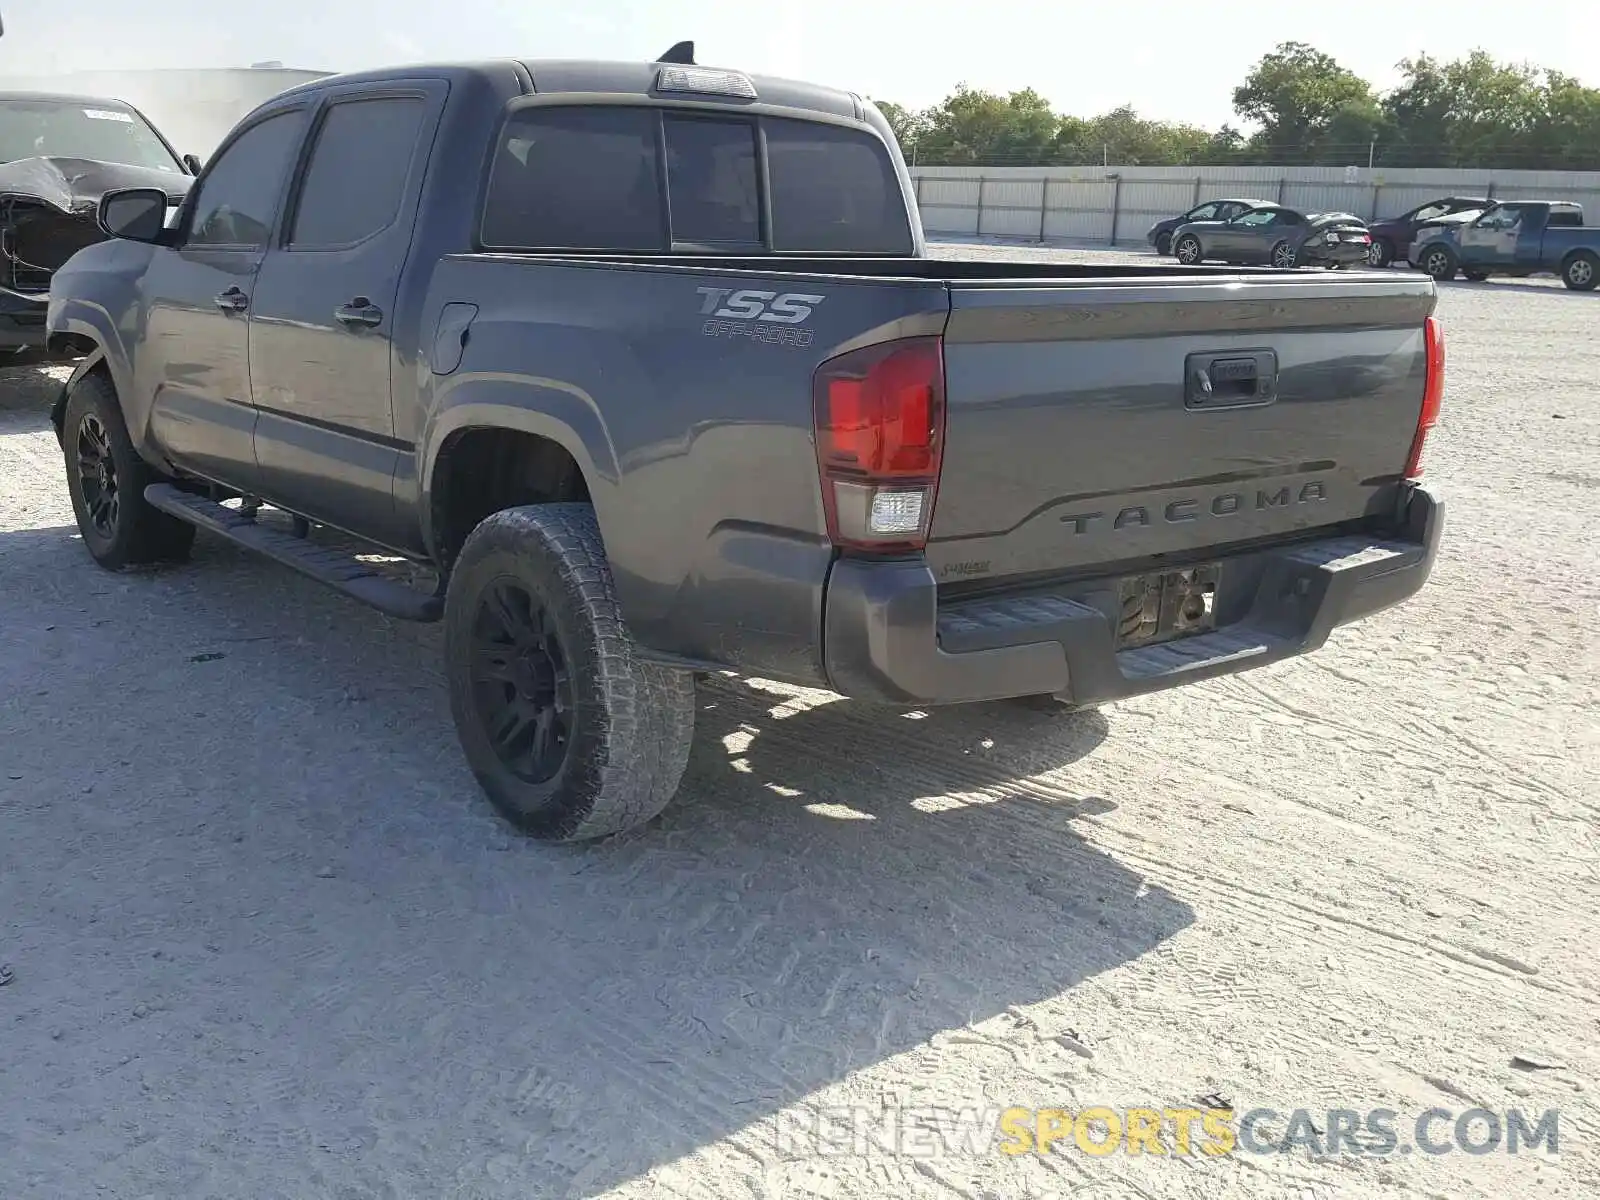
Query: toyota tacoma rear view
x=647, y=364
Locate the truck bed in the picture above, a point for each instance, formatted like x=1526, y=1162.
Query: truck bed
x=1076, y=446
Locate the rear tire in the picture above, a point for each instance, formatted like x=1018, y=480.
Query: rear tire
x=1188, y=250
x=1581, y=272
x=106, y=479
x=1440, y=262
x=1283, y=256
x=570, y=733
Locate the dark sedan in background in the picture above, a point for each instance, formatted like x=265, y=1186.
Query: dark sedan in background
x=58, y=155
x=1160, y=235
x=1392, y=236
x=1282, y=237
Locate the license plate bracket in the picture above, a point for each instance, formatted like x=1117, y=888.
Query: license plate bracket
x=1163, y=605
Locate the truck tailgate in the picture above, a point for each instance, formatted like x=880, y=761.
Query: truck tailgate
x=1091, y=426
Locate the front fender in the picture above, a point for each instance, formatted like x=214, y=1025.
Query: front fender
x=86, y=316
x=58, y=407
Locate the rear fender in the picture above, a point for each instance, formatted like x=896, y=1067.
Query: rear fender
x=548, y=408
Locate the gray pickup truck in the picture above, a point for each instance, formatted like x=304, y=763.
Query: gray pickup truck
x=648, y=363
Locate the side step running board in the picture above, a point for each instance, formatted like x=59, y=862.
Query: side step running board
x=332, y=567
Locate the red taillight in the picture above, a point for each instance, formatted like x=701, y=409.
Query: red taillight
x=1432, y=395
x=880, y=436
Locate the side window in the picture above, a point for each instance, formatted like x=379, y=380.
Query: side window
x=1206, y=212
x=834, y=191
x=1501, y=219
x=238, y=199
x=1257, y=218
x=576, y=178
x=1429, y=211
x=711, y=180
x=356, y=178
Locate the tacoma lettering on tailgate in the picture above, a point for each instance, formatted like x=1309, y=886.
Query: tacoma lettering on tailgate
x=1177, y=512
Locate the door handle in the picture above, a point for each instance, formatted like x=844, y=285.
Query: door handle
x=359, y=311
x=232, y=300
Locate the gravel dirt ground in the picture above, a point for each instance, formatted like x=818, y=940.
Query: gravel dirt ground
x=266, y=940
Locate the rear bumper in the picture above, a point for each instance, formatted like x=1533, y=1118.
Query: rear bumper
x=1349, y=253
x=887, y=638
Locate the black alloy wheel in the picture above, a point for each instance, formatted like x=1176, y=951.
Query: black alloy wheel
x=97, y=477
x=521, y=682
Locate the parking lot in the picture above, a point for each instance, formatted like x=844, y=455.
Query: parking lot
x=267, y=939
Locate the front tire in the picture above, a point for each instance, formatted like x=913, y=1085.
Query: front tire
x=570, y=733
x=1188, y=251
x=106, y=479
x=1581, y=272
x=1440, y=262
x=1380, y=254
x=1163, y=244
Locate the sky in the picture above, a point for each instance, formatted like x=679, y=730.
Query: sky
x=1086, y=58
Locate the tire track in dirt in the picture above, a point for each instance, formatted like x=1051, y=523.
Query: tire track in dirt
x=994, y=782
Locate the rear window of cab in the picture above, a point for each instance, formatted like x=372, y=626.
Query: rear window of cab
x=643, y=179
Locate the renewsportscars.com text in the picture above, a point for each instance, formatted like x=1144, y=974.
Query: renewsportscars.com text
x=1100, y=1130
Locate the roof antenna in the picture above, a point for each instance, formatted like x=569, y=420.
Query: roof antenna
x=682, y=53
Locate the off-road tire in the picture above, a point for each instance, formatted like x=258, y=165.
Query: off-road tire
x=139, y=532
x=1581, y=272
x=632, y=720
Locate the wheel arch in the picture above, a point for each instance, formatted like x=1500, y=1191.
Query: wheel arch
x=1576, y=253
x=509, y=442
x=94, y=359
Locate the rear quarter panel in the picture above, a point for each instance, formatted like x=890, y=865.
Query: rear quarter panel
x=693, y=430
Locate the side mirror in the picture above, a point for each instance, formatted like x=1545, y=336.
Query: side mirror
x=193, y=163
x=134, y=214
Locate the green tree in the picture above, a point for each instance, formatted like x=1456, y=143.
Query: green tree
x=1568, y=134
x=1476, y=112
x=907, y=125
x=977, y=127
x=1123, y=136
x=1299, y=97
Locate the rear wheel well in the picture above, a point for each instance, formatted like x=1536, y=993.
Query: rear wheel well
x=482, y=471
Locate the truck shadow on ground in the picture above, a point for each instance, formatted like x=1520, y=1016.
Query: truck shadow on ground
x=341, y=967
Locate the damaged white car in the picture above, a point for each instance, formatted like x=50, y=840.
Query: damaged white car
x=58, y=156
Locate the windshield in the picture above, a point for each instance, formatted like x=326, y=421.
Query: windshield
x=100, y=130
